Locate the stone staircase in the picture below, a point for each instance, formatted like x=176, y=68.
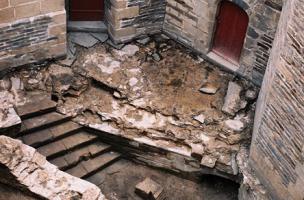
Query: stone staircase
x=64, y=143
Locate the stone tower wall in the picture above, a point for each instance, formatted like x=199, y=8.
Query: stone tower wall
x=277, y=152
x=31, y=31
x=193, y=24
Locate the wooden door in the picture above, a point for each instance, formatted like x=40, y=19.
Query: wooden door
x=86, y=10
x=231, y=30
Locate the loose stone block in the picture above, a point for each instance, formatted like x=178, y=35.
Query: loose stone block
x=232, y=99
x=149, y=189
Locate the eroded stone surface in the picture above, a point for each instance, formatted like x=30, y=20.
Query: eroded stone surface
x=33, y=172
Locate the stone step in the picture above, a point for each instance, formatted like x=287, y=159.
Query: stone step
x=87, y=26
x=37, y=106
x=41, y=122
x=71, y=159
x=42, y=137
x=69, y=143
x=89, y=167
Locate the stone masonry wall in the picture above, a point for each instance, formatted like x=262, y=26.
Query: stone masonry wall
x=31, y=31
x=129, y=19
x=193, y=23
x=277, y=152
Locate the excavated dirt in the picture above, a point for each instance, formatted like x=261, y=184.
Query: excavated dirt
x=118, y=181
x=151, y=93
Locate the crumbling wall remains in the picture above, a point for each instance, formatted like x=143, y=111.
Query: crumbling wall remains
x=31, y=31
x=28, y=170
x=277, y=145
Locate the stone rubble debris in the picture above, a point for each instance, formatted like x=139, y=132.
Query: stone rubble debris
x=150, y=190
x=8, y=118
x=208, y=161
x=34, y=173
x=157, y=103
x=233, y=102
x=200, y=118
x=116, y=46
x=197, y=151
x=209, y=88
x=234, y=125
x=144, y=41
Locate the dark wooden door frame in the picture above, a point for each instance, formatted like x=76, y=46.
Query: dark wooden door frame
x=215, y=29
x=86, y=10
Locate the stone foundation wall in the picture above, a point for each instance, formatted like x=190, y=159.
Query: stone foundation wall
x=129, y=19
x=194, y=22
x=31, y=31
x=277, y=152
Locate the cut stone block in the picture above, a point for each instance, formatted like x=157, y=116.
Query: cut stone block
x=149, y=189
x=233, y=100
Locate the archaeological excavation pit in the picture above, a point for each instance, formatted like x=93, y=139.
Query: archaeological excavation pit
x=149, y=109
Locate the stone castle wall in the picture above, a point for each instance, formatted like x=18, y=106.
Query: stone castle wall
x=277, y=152
x=193, y=23
x=129, y=19
x=31, y=31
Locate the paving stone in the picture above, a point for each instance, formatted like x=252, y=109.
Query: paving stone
x=149, y=189
x=83, y=39
x=102, y=37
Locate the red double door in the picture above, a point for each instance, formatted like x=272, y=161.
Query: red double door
x=86, y=10
x=232, y=23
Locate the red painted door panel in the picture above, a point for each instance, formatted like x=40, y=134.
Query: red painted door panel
x=230, y=33
x=86, y=10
